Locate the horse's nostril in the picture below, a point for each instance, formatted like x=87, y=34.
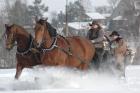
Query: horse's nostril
x=37, y=44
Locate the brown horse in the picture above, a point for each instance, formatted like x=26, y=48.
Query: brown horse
x=24, y=56
x=60, y=51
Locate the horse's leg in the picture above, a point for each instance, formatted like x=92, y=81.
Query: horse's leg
x=19, y=69
x=83, y=66
x=120, y=65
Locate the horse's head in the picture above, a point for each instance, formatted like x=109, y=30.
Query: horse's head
x=10, y=31
x=42, y=31
x=40, y=28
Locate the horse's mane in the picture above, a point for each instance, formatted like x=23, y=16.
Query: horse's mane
x=20, y=27
x=51, y=29
x=41, y=21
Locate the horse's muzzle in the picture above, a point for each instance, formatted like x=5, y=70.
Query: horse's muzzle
x=37, y=45
x=8, y=47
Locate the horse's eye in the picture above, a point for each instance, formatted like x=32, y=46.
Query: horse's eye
x=37, y=29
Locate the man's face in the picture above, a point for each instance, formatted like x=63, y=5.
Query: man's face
x=114, y=37
x=94, y=26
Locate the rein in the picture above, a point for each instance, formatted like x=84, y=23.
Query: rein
x=108, y=40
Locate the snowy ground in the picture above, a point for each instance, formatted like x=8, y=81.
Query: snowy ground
x=52, y=80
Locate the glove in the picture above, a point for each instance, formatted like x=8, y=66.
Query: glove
x=104, y=38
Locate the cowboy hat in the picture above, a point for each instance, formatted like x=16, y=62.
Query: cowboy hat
x=114, y=33
x=93, y=23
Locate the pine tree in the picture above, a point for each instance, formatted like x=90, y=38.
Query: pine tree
x=87, y=5
x=75, y=11
x=19, y=14
x=113, y=3
x=37, y=9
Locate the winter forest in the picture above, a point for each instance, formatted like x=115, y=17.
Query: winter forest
x=74, y=19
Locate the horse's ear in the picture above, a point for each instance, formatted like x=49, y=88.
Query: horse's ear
x=6, y=25
x=46, y=19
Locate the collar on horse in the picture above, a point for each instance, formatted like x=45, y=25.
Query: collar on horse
x=25, y=51
x=53, y=45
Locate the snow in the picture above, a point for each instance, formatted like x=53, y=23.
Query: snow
x=119, y=18
x=79, y=25
x=80, y=28
x=82, y=25
x=106, y=15
x=64, y=80
x=95, y=16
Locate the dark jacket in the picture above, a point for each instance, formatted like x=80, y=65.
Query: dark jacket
x=96, y=35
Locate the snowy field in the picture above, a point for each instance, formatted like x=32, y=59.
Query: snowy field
x=63, y=80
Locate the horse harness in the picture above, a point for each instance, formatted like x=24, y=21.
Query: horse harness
x=28, y=49
x=68, y=51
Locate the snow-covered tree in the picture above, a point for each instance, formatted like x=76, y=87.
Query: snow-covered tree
x=113, y=3
x=18, y=13
x=37, y=9
x=87, y=5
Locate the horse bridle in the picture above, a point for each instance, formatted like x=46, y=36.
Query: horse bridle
x=10, y=39
x=12, y=36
